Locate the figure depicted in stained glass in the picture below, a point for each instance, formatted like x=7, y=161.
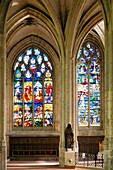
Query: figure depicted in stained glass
x=27, y=92
x=38, y=95
x=18, y=95
x=27, y=115
x=88, y=70
x=48, y=117
x=33, y=98
x=17, y=114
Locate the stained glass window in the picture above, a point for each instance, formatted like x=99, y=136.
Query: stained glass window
x=33, y=90
x=88, y=75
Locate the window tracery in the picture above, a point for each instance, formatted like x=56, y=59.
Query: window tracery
x=89, y=84
x=33, y=90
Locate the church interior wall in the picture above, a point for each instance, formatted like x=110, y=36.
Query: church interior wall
x=58, y=28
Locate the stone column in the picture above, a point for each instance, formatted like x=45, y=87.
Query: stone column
x=3, y=154
x=65, y=103
x=74, y=107
x=108, y=142
x=62, y=115
x=75, y=102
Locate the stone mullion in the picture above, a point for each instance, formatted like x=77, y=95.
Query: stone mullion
x=88, y=95
x=33, y=101
x=3, y=154
x=23, y=104
x=108, y=143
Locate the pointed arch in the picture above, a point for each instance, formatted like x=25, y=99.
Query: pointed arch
x=33, y=41
x=89, y=77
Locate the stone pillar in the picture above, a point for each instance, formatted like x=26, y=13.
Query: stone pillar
x=108, y=142
x=62, y=116
x=75, y=99
x=75, y=115
x=74, y=103
x=3, y=153
x=61, y=154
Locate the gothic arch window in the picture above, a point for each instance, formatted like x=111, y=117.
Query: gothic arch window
x=89, y=85
x=33, y=89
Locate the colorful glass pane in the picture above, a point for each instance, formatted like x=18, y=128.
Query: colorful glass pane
x=86, y=53
x=38, y=92
x=48, y=64
x=26, y=59
x=82, y=59
x=36, y=51
x=48, y=114
x=91, y=50
x=33, y=68
x=43, y=68
x=97, y=53
x=83, y=117
x=45, y=58
x=88, y=71
x=90, y=47
x=94, y=93
x=28, y=99
x=32, y=60
x=28, y=74
x=38, y=102
x=28, y=114
x=29, y=52
x=16, y=65
x=20, y=57
x=82, y=94
x=17, y=117
x=18, y=91
x=18, y=74
x=38, y=74
x=48, y=74
x=48, y=92
x=33, y=99
x=79, y=53
x=23, y=67
x=38, y=114
x=39, y=59
x=28, y=90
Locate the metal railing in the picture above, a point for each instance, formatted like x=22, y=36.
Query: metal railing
x=89, y=160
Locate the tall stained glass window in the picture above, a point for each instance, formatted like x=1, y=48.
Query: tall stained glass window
x=33, y=90
x=88, y=75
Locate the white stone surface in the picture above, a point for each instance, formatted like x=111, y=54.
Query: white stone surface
x=70, y=158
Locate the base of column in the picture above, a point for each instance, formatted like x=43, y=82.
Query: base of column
x=70, y=159
x=61, y=156
x=3, y=156
x=108, y=153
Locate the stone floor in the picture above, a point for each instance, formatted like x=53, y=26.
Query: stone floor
x=42, y=165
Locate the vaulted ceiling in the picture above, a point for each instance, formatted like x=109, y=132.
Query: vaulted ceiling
x=53, y=21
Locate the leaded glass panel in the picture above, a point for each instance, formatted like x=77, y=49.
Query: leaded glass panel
x=88, y=73
x=33, y=90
